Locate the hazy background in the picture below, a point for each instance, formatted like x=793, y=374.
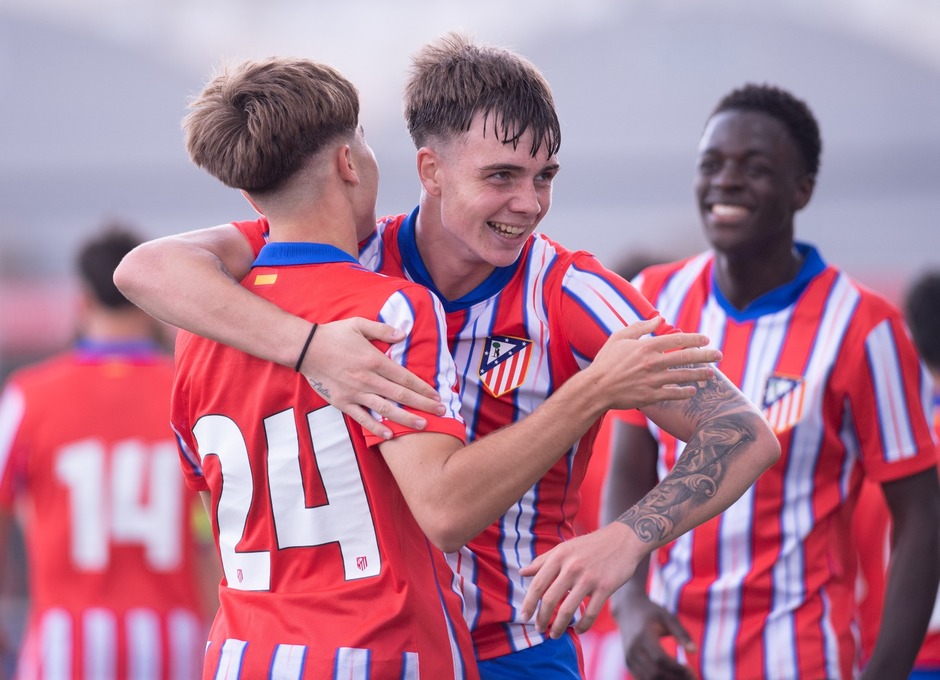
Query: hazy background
x=94, y=90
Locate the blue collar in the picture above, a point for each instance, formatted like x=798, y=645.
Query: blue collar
x=90, y=348
x=285, y=254
x=780, y=297
x=414, y=265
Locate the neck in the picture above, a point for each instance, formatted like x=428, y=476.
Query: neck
x=454, y=269
x=126, y=325
x=742, y=278
x=320, y=223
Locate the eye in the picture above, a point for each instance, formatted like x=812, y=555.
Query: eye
x=757, y=170
x=708, y=166
x=546, y=177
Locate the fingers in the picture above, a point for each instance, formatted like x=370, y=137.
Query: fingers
x=391, y=411
x=364, y=418
x=638, y=329
x=647, y=660
x=678, y=631
x=539, y=583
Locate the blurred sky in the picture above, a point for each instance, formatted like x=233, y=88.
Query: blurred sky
x=95, y=90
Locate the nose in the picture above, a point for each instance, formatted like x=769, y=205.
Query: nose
x=526, y=200
x=728, y=175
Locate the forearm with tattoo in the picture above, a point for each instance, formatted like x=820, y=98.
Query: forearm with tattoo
x=726, y=425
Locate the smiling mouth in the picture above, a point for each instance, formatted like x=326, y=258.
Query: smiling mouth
x=506, y=230
x=724, y=211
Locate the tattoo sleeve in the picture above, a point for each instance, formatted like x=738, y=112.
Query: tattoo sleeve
x=725, y=425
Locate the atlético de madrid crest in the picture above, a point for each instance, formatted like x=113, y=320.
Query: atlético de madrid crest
x=783, y=401
x=504, y=363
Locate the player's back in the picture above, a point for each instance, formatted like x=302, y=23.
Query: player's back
x=326, y=571
x=110, y=545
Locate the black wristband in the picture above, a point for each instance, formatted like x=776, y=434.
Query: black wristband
x=303, y=352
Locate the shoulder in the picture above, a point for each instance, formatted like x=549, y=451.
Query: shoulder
x=42, y=372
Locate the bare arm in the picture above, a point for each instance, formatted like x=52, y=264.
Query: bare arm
x=191, y=281
x=729, y=444
x=631, y=475
x=455, y=494
x=913, y=574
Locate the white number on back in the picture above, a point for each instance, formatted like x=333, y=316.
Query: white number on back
x=346, y=519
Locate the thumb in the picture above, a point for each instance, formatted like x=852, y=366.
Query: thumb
x=679, y=632
x=638, y=329
x=376, y=330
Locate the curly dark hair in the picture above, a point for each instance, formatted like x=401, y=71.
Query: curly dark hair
x=922, y=311
x=99, y=256
x=776, y=102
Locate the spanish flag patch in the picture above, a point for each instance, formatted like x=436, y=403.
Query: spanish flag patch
x=265, y=279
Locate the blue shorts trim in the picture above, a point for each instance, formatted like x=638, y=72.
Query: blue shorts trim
x=550, y=660
x=925, y=674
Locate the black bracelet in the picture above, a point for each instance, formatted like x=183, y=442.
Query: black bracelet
x=303, y=352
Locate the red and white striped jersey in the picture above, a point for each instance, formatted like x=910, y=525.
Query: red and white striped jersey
x=88, y=457
x=515, y=339
x=767, y=588
x=326, y=572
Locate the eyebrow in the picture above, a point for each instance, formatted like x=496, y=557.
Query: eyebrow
x=513, y=166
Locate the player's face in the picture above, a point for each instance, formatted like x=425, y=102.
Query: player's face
x=749, y=182
x=492, y=196
x=368, y=170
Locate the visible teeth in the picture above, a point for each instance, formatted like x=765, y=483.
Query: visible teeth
x=506, y=229
x=728, y=211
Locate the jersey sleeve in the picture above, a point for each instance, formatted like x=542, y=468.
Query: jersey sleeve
x=596, y=302
x=12, y=412
x=889, y=397
x=190, y=462
x=255, y=232
x=425, y=353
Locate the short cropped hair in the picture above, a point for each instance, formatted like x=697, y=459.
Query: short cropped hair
x=777, y=103
x=254, y=124
x=97, y=259
x=452, y=79
x=922, y=311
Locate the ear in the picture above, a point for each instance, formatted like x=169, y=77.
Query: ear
x=252, y=203
x=345, y=165
x=804, y=190
x=429, y=170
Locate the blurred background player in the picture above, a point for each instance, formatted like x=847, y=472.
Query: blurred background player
x=766, y=590
x=120, y=585
x=871, y=522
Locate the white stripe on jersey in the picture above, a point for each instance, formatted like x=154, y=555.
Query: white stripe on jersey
x=399, y=312
x=599, y=299
x=56, y=635
x=797, y=512
x=143, y=644
x=99, y=642
x=230, y=660
x=896, y=434
x=409, y=670
x=674, y=292
x=352, y=664
x=12, y=407
x=288, y=663
x=184, y=631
